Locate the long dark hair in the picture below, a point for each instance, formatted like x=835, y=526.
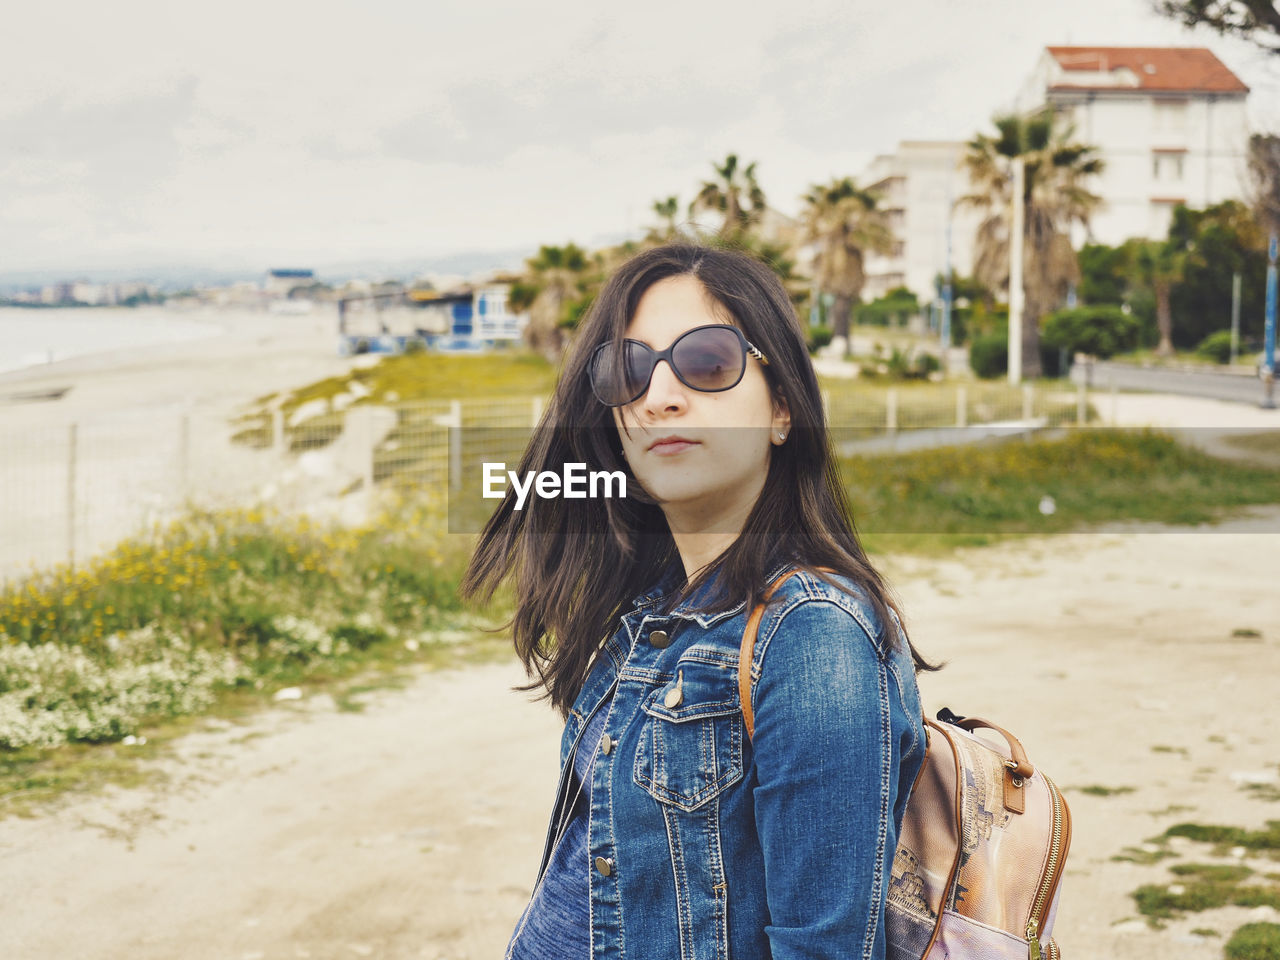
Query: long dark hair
x=578, y=564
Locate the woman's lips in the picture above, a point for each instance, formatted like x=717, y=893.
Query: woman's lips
x=668, y=448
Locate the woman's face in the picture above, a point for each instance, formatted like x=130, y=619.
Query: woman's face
x=714, y=473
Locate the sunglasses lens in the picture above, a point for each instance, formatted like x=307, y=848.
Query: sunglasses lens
x=619, y=378
x=710, y=359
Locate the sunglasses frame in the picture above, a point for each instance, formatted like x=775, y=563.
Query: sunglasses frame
x=748, y=348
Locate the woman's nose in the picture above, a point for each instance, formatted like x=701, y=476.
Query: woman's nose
x=665, y=389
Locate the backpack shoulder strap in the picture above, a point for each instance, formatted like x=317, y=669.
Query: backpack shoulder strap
x=747, y=650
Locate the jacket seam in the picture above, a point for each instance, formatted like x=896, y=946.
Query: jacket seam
x=882, y=828
x=913, y=716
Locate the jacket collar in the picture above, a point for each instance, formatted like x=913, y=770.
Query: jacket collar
x=673, y=579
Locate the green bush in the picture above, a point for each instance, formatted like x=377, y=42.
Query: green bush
x=895, y=307
x=989, y=354
x=819, y=337
x=1100, y=330
x=1216, y=347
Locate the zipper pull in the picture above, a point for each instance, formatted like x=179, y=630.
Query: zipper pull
x=675, y=696
x=1033, y=944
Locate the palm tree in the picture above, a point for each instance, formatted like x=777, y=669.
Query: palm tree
x=841, y=221
x=666, y=211
x=733, y=193
x=1054, y=199
x=1160, y=265
x=553, y=285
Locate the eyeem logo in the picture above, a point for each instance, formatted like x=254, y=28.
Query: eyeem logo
x=574, y=484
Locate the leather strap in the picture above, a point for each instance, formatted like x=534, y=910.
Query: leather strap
x=1020, y=766
x=747, y=650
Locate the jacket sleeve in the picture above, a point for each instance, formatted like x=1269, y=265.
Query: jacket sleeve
x=830, y=731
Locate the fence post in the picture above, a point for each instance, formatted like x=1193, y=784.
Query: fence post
x=1080, y=404
x=1114, y=401
x=826, y=406
x=371, y=432
x=962, y=406
x=455, y=445
x=891, y=410
x=278, y=441
x=1027, y=404
x=71, y=497
x=184, y=457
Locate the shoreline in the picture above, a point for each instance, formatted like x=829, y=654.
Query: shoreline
x=137, y=328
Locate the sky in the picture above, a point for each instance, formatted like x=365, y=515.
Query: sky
x=245, y=135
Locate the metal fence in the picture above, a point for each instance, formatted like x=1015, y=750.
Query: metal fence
x=72, y=493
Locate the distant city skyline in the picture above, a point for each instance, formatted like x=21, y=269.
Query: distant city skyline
x=144, y=136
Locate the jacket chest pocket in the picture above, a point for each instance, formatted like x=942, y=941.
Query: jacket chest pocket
x=690, y=746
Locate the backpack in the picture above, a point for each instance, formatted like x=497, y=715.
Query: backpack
x=983, y=842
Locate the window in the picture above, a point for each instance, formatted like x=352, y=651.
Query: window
x=1166, y=167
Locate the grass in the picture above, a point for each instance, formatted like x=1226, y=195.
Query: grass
x=857, y=407
x=211, y=616
x=33, y=780
x=1254, y=941
x=1097, y=790
x=1224, y=837
x=397, y=380
x=1265, y=444
x=1268, y=792
x=1202, y=886
x=1092, y=476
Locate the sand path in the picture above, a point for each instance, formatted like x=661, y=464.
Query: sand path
x=413, y=829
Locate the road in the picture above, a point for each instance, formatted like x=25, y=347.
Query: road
x=1234, y=387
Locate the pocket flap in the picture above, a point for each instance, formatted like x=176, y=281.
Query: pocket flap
x=699, y=689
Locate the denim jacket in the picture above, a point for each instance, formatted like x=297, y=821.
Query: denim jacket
x=706, y=844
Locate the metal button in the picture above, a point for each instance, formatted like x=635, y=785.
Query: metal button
x=606, y=744
x=605, y=865
x=675, y=696
x=660, y=639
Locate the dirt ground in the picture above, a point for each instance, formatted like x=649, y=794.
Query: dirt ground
x=413, y=829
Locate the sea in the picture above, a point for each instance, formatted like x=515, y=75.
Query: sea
x=33, y=337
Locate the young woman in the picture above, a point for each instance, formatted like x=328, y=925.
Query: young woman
x=674, y=833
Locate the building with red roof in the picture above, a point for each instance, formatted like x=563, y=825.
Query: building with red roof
x=1170, y=124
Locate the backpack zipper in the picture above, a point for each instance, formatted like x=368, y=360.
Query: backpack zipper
x=1059, y=839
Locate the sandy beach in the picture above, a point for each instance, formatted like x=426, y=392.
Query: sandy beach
x=412, y=830
x=152, y=427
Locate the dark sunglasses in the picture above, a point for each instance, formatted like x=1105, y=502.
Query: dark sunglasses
x=709, y=359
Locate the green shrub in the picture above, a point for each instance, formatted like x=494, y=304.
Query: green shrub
x=819, y=337
x=989, y=354
x=895, y=307
x=1100, y=330
x=1216, y=346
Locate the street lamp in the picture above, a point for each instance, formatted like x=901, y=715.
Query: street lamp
x=1269, y=350
x=1015, y=275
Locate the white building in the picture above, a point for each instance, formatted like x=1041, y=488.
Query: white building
x=919, y=185
x=1169, y=123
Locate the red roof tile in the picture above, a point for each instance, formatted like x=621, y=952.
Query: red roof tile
x=1182, y=69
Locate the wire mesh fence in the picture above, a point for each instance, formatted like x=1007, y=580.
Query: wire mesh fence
x=72, y=493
